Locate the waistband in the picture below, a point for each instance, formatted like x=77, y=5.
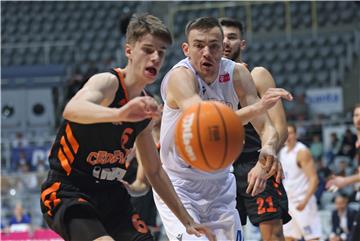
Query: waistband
x=194, y=174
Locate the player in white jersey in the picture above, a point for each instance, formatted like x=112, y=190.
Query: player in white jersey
x=300, y=183
x=204, y=75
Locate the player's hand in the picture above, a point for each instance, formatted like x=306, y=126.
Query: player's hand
x=272, y=165
x=137, y=188
x=273, y=95
x=257, y=178
x=301, y=205
x=140, y=108
x=335, y=182
x=199, y=229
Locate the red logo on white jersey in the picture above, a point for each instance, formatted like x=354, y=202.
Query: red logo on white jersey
x=224, y=78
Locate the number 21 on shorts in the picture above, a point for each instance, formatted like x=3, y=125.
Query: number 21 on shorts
x=265, y=205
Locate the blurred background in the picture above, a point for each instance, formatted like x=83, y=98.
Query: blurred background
x=49, y=49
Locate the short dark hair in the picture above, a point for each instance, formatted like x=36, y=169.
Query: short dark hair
x=357, y=106
x=143, y=24
x=203, y=23
x=229, y=22
x=292, y=126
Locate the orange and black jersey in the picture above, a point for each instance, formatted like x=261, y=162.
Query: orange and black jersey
x=96, y=153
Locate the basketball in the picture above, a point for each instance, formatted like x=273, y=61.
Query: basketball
x=209, y=136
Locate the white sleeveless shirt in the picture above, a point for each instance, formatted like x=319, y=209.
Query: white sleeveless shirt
x=296, y=183
x=222, y=89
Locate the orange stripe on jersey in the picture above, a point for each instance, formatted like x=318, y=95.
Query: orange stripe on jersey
x=70, y=136
x=67, y=151
x=64, y=162
x=47, y=191
x=122, y=83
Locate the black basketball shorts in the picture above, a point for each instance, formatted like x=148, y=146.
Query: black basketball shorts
x=78, y=214
x=271, y=204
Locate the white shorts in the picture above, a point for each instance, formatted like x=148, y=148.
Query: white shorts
x=304, y=223
x=209, y=202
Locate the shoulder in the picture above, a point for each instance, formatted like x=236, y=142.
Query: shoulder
x=262, y=79
x=104, y=79
x=180, y=73
x=240, y=72
x=303, y=152
x=260, y=70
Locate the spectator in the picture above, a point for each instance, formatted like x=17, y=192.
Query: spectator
x=323, y=172
x=27, y=180
x=20, y=221
x=348, y=144
x=20, y=141
x=333, y=149
x=342, y=219
x=342, y=168
x=316, y=147
x=21, y=159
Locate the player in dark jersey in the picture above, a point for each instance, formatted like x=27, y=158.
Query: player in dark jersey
x=83, y=197
x=337, y=182
x=269, y=209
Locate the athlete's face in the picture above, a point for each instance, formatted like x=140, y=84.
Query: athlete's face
x=204, y=49
x=291, y=140
x=233, y=43
x=147, y=56
x=356, y=118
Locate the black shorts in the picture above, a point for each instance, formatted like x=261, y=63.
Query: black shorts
x=271, y=204
x=78, y=213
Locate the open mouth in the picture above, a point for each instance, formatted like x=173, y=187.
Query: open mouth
x=207, y=64
x=227, y=51
x=151, y=71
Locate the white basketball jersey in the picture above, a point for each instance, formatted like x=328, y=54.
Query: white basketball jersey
x=222, y=89
x=296, y=183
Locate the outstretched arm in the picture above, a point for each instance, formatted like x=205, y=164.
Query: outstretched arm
x=264, y=81
x=162, y=184
x=90, y=104
x=340, y=182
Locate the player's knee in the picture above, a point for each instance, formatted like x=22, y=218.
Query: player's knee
x=272, y=230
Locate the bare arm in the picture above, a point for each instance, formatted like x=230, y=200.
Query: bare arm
x=341, y=182
x=252, y=108
x=182, y=89
x=263, y=81
x=306, y=162
x=161, y=183
x=90, y=104
x=140, y=186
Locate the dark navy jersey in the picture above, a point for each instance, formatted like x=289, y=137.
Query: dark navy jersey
x=96, y=153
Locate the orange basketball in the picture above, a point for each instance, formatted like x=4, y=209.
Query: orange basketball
x=209, y=136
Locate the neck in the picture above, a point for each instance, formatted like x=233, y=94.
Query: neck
x=291, y=145
x=132, y=83
x=358, y=139
x=239, y=60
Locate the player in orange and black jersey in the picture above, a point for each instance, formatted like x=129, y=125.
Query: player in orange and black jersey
x=269, y=209
x=84, y=196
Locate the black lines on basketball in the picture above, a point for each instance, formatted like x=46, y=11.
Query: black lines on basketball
x=225, y=134
x=199, y=135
